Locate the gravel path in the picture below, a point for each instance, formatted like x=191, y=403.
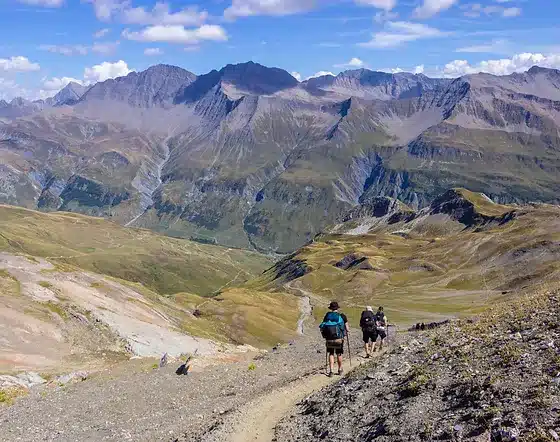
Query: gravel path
x=156, y=404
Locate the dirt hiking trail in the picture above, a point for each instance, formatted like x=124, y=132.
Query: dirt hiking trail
x=256, y=421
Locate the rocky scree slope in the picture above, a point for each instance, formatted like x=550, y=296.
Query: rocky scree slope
x=247, y=156
x=491, y=378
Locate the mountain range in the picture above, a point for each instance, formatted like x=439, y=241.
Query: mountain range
x=249, y=157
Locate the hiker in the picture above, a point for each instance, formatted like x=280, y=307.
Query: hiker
x=381, y=325
x=369, y=330
x=334, y=328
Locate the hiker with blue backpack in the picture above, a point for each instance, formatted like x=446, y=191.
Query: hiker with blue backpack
x=334, y=328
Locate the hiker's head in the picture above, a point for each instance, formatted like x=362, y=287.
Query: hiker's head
x=369, y=309
x=380, y=309
x=333, y=306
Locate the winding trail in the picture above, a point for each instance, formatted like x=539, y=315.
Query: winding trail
x=306, y=310
x=256, y=421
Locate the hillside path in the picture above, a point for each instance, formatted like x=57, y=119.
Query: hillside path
x=256, y=421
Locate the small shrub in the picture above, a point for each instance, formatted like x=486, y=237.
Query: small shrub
x=9, y=395
x=417, y=381
x=252, y=366
x=45, y=284
x=509, y=353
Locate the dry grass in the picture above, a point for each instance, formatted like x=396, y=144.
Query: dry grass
x=166, y=265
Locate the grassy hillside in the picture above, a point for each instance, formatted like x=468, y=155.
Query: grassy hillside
x=83, y=286
x=165, y=265
x=432, y=267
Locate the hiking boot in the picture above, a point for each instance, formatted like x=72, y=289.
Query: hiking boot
x=330, y=374
x=368, y=356
x=340, y=371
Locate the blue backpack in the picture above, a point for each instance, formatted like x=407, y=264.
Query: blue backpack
x=332, y=328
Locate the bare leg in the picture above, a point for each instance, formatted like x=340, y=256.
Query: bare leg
x=339, y=360
x=366, y=348
x=331, y=363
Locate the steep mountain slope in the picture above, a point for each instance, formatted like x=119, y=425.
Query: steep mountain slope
x=69, y=95
x=247, y=156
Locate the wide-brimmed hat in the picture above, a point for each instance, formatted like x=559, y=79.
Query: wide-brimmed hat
x=333, y=305
x=369, y=308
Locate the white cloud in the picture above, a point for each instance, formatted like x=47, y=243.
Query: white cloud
x=105, y=9
x=55, y=84
x=67, y=50
x=400, y=32
x=101, y=33
x=247, y=8
x=106, y=70
x=419, y=69
x=18, y=64
x=178, y=34
x=504, y=66
x=296, y=75
x=353, y=63
x=433, y=7
x=384, y=16
x=162, y=15
x=476, y=10
x=71, y=50
x=511, y=12
x=105, y=48
x=493, y=47
x=44, y=3
x=152, y=51
x=387, y=5
x=10, y=89
x=391, y=70
x=320, y=74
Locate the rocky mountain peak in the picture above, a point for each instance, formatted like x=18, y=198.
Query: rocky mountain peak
x=156, y=86
x=70, y=94
x=257, y=79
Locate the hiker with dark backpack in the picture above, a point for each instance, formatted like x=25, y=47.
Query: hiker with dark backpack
x=381, y=325
x=334, y=328
x=369, y=330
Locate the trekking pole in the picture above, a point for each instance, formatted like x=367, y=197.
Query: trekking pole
x=326, y=359
x=349, y=354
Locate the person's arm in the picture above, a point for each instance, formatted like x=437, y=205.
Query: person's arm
x=345, y=322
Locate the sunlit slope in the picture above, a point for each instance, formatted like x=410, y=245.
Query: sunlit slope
x=77, y=291
x=455, y=258
x=164, y=264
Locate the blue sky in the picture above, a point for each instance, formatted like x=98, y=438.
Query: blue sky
x=45, y=43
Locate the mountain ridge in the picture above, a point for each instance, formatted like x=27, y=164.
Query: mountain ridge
x=248, y=156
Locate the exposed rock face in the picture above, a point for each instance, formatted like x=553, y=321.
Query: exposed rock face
x=156, y=86
x=253, y=158
x=69, y=95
